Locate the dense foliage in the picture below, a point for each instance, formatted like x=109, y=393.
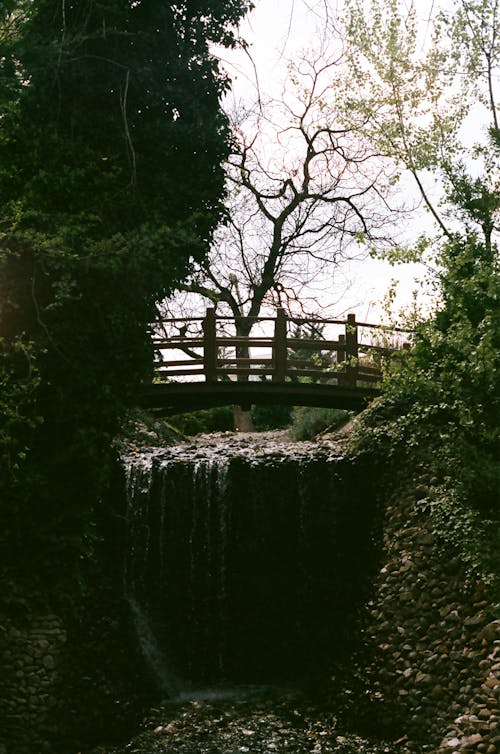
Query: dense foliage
x=309, y=422
x=217, y=419
x=111, y=141
x=419, y=88
x=221, y=419
x=440, y=408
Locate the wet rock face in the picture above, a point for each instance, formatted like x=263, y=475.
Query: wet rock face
x=246, y=562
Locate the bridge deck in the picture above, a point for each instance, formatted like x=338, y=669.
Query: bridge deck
x=218, y=365
x=189, y=396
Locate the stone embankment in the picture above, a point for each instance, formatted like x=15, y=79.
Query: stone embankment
x=433, y=643
x=428, y=673
x=30, y=656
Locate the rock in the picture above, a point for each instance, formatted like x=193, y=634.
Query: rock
x=423, y=678
x=475, y=620
x=491, y=631
x=492, y=683
x=49, y=662
x=437, y=693
x=472, y=740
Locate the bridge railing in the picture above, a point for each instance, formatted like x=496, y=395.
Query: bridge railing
x=211, y=349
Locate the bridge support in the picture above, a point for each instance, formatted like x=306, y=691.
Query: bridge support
x=210, y=346
x=351, y=351
x=279, y=347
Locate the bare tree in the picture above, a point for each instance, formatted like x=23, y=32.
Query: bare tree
x=305, y=193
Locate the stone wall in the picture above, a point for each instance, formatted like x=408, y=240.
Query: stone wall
x=428, y=674
x=66, y=686
x=431, y=646
x=30, y=655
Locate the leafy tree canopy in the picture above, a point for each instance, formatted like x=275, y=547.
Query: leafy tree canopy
x=111, y=140
x=440, y=405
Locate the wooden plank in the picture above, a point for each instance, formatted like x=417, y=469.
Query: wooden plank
x=236, y=342
x=233, y=341
x=172, y=320
x=294, y=320
x=187, y=342
x=371, y=378
x=298, y=363
x=241, y=360
x=384, y=328
x=379, y=349
x=315, y=345
x=242, y=370
x=178, y=372
x=181, y=396
x=311, y=321
x=369, y=369
x=178, y=362
x=314, y=373
x=260, y=341
x=230, y=318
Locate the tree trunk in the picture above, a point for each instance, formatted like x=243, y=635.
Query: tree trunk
x=243, y=421
x=242, y=417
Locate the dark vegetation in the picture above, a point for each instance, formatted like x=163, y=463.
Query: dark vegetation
x=111, y=143
x=221, y=419
x=438, y=415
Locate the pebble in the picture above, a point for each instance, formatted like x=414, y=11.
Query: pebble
x=289, y=724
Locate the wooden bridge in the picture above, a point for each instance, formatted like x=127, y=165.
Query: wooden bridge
x=212, y=360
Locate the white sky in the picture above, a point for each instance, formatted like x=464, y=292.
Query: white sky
x=275, y=30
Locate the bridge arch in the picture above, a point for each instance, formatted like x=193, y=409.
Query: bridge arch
x=199, y=362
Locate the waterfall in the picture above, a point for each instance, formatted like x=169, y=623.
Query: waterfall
x=244, y=564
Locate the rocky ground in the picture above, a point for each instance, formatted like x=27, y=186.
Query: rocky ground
x=255, y=725
x=251, y=445
x=431, y=666
x=428, y=679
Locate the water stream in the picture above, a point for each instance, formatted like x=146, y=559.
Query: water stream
x=245, y=561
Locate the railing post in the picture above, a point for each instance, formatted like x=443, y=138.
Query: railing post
x=279, y=347
x=351, y=350
x=209, y=346
x=341, y=354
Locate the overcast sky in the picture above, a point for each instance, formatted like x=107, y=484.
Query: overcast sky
x=275, y=30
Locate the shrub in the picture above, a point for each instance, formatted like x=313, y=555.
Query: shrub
x=217, y=419
x=309, y=421
x=271, y=417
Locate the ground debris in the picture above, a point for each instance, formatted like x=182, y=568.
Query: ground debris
x=256, y=726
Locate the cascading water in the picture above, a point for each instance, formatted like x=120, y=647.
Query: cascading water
x=244, y=563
